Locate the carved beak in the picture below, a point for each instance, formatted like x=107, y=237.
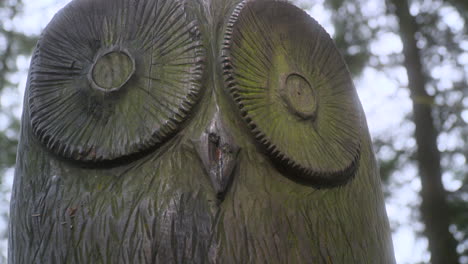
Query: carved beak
x=218, y=153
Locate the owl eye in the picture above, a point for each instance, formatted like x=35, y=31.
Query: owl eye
x=293, y=90
x=113, y=78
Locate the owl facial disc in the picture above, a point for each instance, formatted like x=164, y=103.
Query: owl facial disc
x=294, y=91
x=114, y=79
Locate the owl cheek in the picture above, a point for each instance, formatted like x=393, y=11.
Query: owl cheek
x=218, y=153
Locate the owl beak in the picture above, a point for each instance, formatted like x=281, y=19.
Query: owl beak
x=218, y=153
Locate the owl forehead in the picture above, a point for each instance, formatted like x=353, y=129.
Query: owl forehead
x=212, y=17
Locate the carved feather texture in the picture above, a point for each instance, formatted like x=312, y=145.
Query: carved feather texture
x=161, y=209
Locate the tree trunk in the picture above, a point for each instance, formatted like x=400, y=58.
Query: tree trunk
x=434, y=209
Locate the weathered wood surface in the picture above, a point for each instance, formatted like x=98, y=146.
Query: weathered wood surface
x=193, y=132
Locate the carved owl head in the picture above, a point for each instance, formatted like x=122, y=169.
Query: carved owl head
x=110, y=80
x=160, y=131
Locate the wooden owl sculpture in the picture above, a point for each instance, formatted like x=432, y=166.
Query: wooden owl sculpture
x=193, y=131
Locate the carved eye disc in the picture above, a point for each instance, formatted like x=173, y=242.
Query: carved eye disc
x=111, y=71
x=299, y=95
x=110, y=79
x=293, y=90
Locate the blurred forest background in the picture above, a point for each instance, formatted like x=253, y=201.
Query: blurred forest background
x=409, y=59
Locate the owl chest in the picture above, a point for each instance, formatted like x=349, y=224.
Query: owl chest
x=166, y=213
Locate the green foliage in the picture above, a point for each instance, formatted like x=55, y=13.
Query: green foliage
x=352, y=35
x=12, y=45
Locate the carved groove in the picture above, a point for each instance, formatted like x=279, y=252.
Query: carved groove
x=158, y=51
x=264, y=45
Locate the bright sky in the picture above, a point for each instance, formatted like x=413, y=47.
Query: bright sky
x=385, y=104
